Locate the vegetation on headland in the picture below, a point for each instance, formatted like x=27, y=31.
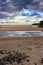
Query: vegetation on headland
x=41, y=24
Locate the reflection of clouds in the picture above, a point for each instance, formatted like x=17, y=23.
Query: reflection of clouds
x=21, y=34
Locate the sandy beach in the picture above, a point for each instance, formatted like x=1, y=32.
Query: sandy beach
x=19, y=28
x=33, y=47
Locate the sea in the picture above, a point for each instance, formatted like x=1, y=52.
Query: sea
x=14, y=34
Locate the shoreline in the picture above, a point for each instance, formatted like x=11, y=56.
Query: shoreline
x=18, y=38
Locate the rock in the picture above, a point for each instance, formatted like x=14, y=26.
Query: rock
x=41, y=60
x=12, y=57
x=35, y=63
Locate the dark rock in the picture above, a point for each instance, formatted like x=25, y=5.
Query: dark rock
x=2, y=51
x=13, y=57
x=27, y=60
x=41, y=60
x=35, y=63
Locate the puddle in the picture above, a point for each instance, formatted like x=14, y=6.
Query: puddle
x=20, y=33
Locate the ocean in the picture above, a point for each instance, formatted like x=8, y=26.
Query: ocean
x=5, y=34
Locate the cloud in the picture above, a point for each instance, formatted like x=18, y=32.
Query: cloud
x=10, y=5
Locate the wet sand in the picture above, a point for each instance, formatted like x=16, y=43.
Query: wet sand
x=33, y=47
x=19, y=28
x=23, y=34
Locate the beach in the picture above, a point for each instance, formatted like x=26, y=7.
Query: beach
x=32, y=47
x=29, y=46
x=19, y=28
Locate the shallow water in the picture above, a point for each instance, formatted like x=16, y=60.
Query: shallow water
x=4, y=34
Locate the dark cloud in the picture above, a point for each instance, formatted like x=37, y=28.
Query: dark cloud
x=10, y=5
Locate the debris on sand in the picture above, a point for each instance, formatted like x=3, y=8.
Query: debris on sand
x=41, y=60
x=12, y=57
x=35, y=63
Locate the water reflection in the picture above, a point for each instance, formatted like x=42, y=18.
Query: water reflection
x=20, y=33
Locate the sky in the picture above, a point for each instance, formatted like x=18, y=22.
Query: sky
x=12, y=6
